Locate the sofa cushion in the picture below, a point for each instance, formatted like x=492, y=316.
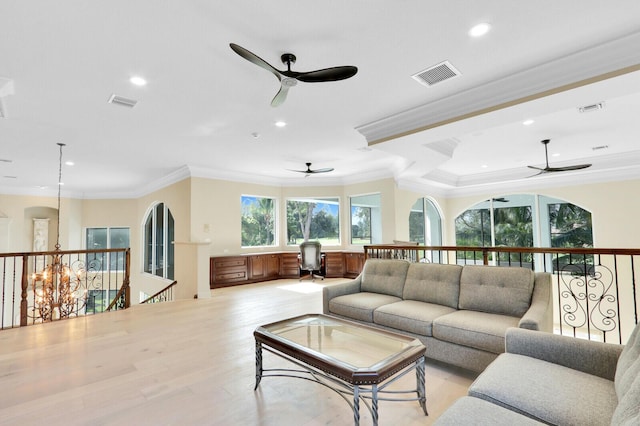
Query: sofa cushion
x=384, y=276
x=410, y=315
x=495, y=289
x=627, y=412
x=359, y=306
x=546, y=392
x=478, y=330
x=468, y=410
x=433, y=283
x=628, y=367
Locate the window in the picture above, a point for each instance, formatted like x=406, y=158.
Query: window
x=97, y=301
x=158, y=242
x=106, y=238
x=522, y=220
x=366, y=219
x=313, y=219
x=258, y=221
x=425, y=224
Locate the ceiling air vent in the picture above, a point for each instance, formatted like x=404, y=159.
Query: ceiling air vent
x=441, y=72
x=119, y=100
x=589, y=108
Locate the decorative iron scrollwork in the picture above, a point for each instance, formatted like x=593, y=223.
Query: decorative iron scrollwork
x=586, y=297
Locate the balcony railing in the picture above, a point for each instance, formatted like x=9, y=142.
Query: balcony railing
x=164, y=295
x=41, y=287
x=595, y=291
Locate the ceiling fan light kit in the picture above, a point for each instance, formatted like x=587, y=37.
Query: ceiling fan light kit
x=548, y=169
x=288, y=78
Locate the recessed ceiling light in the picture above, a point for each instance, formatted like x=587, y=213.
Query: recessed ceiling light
x=138, y=81
x=479, y=30
x=528, y=122
x=69, y=163
x=555, y=154
x=280, y=123
x=484, y=166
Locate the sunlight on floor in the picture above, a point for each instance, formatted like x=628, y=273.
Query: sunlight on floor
x=305, y=288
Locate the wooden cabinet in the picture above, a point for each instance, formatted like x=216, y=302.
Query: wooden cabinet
x=228, y=270
x=289, y=266
x=353, y=263
x=264, y=266
x=233, y=270
x=334, y=264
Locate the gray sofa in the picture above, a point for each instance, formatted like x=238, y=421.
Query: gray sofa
x=549, y=379
x=461, y=313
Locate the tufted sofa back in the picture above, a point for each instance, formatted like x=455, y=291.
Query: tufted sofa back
x=384, y=276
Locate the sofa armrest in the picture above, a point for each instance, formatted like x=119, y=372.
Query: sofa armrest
x=539, y=316
x=597, y=358
x=331, y=291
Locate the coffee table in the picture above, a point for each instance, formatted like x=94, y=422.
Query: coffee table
x=356, y=361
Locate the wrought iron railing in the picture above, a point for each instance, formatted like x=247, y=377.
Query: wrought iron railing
x=164, y=295
x=596, y=294
x=40, y=287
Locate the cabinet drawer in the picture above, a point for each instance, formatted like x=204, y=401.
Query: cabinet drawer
x=231, y=276
x=230, y=263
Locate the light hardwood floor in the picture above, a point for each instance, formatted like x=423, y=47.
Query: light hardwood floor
x=189, y=362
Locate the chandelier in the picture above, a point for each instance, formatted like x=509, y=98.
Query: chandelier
x=59, y=290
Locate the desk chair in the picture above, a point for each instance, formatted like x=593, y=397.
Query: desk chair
x=311, y=259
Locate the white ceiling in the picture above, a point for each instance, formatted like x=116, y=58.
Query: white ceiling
x=197, y=116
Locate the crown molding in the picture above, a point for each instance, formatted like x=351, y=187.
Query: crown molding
x=603, y=61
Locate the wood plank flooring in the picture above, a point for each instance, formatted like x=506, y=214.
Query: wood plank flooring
x=189, y=362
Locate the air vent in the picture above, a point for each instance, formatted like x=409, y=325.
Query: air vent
x=436, y=74
x=119, y=100
x=590, y=108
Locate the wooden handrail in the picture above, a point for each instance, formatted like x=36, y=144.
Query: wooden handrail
x=29, y=297
x=166, y=289
x=503, y=249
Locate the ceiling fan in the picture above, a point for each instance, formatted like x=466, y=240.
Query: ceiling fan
x=309, y=172
x=548, y=169
x=290, y=78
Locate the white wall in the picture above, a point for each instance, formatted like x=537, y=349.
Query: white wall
x=208, y=211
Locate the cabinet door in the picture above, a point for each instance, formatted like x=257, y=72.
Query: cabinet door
x=256, y=267
x=272, y=265
x=353, y=264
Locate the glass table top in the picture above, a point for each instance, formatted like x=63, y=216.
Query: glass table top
x=351, y=345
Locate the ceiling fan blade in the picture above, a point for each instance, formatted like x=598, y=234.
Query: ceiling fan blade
x=255, y=59
x=327, y=74
x=280, y=97
x=325, y=170
x=568, y=168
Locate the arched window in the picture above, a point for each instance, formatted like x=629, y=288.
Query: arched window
x=425, y=223
x=158, y=242
x=522, y=220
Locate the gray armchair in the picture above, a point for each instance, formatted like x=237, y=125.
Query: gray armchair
x=311, y=260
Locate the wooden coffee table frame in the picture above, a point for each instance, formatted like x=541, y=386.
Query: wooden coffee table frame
x=353, y=384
